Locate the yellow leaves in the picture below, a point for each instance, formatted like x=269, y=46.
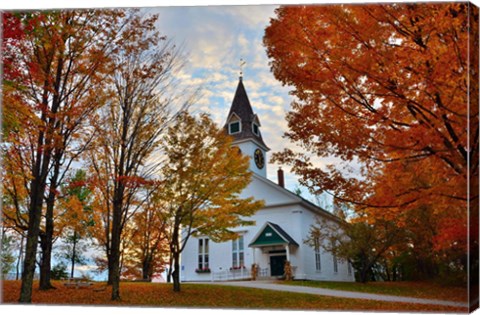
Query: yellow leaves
x=204, y=175
x=74, y=215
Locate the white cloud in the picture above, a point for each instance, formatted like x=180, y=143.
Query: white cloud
x=216, y=37
x=251, y=15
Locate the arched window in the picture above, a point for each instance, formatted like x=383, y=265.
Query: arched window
x=318, y=264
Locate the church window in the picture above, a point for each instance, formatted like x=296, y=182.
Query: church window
x=335, y=260
x=234, y=127
x=349, y=266
x=238, y=253
x=203, y=254
x=255, y=129
x=318, y=264
x=335, y=264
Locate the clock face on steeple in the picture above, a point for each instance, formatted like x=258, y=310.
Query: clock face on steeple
x=259, y=159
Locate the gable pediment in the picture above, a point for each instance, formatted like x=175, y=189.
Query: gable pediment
x=233, y=117
x=272, y=234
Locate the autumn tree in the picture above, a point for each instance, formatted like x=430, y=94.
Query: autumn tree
x=13, y=33
x=77, y=219
x=14, y=180
x=201, y=181
x=391, y=89
x=142, y=103
x=62, y=67
x=148, y=247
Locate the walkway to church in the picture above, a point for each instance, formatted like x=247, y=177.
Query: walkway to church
x=270, y=285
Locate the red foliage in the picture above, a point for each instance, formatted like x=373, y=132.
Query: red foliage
x=13, y=33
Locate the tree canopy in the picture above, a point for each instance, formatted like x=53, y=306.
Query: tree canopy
x=391, y=89
x=201, y=183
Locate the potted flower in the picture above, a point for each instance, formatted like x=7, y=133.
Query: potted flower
x=237, y=268
x=202, y=270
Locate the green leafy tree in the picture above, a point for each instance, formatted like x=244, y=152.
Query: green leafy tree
x=7, y=258
x=361, y=243
x=59, y=272
x=78, y=219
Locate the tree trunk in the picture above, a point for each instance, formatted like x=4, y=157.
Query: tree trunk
x=34, y=218
x=45, y=262
x=363, y=276
x=115, y=277
x=169, y=275
x=147, y=268
x=175, y=251
x=47, y=239
x=364, y=272
x=115, y=267
x=74, y=250
x=176, y=272
x=170, y=268
x=115, y=270
x=110, y=268
x=116, y=240
x=387, y=270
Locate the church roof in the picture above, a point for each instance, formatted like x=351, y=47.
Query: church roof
x=295, y=199
x=284, y=234
x=272, y=234
x=242, y=108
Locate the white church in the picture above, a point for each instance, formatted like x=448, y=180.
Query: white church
x=280, y=228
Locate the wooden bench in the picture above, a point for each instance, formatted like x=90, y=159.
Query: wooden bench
x=100, y=289
x=77, y=283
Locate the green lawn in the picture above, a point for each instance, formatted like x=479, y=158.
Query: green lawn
x=426, y=290
x=207, y=296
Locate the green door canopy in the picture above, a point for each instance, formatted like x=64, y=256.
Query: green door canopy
x=272, y=234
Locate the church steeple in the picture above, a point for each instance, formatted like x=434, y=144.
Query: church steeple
x=241, y=111
x=244, y=126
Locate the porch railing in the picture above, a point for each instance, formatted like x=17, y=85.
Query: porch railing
x=243, y=274
x=234, y=274
x=264, y=273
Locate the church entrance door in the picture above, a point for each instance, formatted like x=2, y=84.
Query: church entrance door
x=277, y=264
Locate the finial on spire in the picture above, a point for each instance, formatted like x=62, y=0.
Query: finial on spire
x=242, y=63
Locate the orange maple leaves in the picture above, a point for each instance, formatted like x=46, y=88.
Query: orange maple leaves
x=386, y=87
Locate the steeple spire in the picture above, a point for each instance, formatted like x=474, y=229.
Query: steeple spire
x=241, y=111
x=244, y=126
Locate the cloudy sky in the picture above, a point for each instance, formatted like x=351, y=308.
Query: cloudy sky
x=215, y=38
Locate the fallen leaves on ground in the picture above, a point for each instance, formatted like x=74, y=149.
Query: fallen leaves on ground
x=204, y=295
